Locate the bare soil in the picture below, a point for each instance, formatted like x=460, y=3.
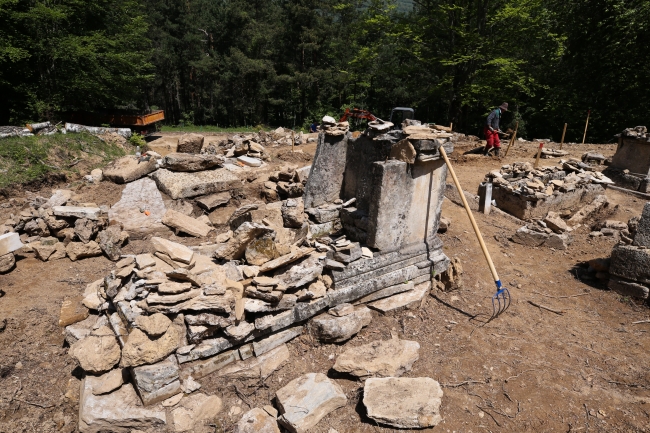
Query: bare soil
x=531, y=370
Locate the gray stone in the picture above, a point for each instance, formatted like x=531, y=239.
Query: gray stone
x=241, y=215
x=348, y=256
x=9, y=242
x=293, y=213
x=235, y=248
x=190, y=143
x=402, y=299
x=275, y=322
x=559, y=242
x=286, y=259
x=59, y=198
x=301, y=273
x=204, y=367
x=631, y=263
x=213, y=201
x=333, y=329
x=92, y=213
x=269, y=343
x=325, y=181
x=191, y=162
x=529, y=238
x=110, y=242
x=128, y=168
x=257, y=421
x=403, y=402
x=79, y=250
x=390, y=358
x=258, y=367
x=341, y=310
x=206, y=349
x=118, y=412
x=85, y=229
x=157, y=382
x=140, y=209
x=642, y=236
x=628, y=288
x=109, y=382
x=334, y=265
x=306, y=400
x=388, y=291
x=185, y=224
x=80, y=330
x=186, y=185
x=302, y=174
x=324, y=215
x=7, y=263
x=193, y=413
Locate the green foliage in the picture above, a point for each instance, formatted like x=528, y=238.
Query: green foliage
x=23, y=159
x=137, y=140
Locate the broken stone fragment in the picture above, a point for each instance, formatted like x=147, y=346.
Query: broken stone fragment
x=109, y=382
x=293, y=213
x=140, y=209
x=529, y=238
x=191, y=162
x=190, y=143
x=241, y=215
x=302, y=273
x=175, y=251
x=306, y=400
x=118, y=412
x=157, y=382
x=257, y=367
x=260, y=251
x=79, y=250
x=235, y=248
x=140, y=349
x=390, y=358
x=144, y=261
x=154, y=325
x=403, y=402
x=85, y=229
x=556, y=223
x=195, y=411
x=335, y=329
x=97, y=353
x=72, y=311
x=240, y=331
x=128, y=168
x=213, y=201
x=185, y=224
x=186, y=185
x=257, y=421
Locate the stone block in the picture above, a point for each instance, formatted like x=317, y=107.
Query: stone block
x=92, y=213
x=140, y=209
x=257, y=367
x=128, y=168
x=190, y=143
x=204, y=367
x=334, y=329
x=529, y=238
x=213, y=201
x=628, y=288
x=401, y=300
x=326, y=177
x=191, y=162
x=9, y=242
x=187, y=185
x=389, y=358
x=185, y=224
x=631, y=263
x=642, y=237
x=157, y=382
x=269, y=343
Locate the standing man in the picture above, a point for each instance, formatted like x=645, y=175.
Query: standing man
x=492, y=130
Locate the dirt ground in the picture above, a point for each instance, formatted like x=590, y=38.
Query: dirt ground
x=531, y=370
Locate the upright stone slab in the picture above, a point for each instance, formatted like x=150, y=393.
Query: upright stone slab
x=326, y=177
x=140, y=209
x=642, y=237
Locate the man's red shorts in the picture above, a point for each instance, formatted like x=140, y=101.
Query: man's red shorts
x=492, y=138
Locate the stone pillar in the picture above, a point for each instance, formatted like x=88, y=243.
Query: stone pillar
x=326, y=178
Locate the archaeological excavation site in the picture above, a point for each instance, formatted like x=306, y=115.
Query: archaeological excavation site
x=329, y=282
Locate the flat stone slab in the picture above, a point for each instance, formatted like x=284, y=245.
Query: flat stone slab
x=213, y=200
x=402, y=299
x=128, y=168
x=191, y=162
x=390, y=358
x=334, y=329
x=185, y=224
x=9, y=242
x=306, y=400
x=92, y=213
x=120, y=411
x=403, y=402
x=138, y=199
x=257, y=421
x=186, y=185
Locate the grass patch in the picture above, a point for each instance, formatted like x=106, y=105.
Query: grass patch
x=24, y=159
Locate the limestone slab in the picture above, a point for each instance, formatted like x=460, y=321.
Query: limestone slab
x=257, y=367
x=269, y=343
x=128, y=168
x=257, y=421
x=9, y=242
x=402, y=299
x=175, y=251
x=140, y=209
x=157, y=382
x=185, y=224
x=334, y=329
x=191, y=162
x=92, y=213
x=390, y=358
x=186, y=185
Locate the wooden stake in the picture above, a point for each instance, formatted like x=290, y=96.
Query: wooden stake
x=563, y=133
x=487, y=204
x=586, y=126
x=451, y=127
x=539, y=153
x=512, y=140
x=293, y=140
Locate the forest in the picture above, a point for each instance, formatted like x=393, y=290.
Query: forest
x=289, y=62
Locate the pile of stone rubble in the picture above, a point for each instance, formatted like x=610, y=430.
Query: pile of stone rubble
x=639, y=132
x=146, y=332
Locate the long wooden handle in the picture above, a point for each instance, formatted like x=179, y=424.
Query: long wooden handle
x=471, y=219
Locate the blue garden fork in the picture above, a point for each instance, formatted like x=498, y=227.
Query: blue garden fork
x=501, y=299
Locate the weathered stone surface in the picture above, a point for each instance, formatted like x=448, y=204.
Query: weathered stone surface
x=139, y=349
x=558, y=241
x=528, y=237
x=140, y=209
x=269, y=343
x=189, y=385
x=213, y=200
x=144, y=261
x=59, y=198
x=206, y=349
x=190, y=143
x=628, y=288
x=260, y=251
x=275, y=322
x=333, y=329
x=348, y=256
x=631, y=263
x=251, y=162
x=9, y=242
x=240, y=331
x=403, y=151
x=556, y=223
x=257, y=421
x=306, y=400
x=117, y=412
x=157, y=382
x=324, y=215
x=388, y=291
x=281, y=261
x=390, y=358
x=185, y=224
x=109, y=382
x=85, y=229
x=293, y=215
x=72, y=311
x=236, y=246
x=154, y=325
x=403, y=402
x=176, y=252
x=326, y=176
x=642, y=236
x=241, y=215
x=92, y=213
x=79, y=330
x=194, y=413
x=79, y=250
x=258, y=367
x=191, y=162
x=202, y=368
x=186, y=185
x=301, y=273
x=7, y=262
x=96, y=353
x=128, y=168
x=402, y=299
x=325, y=229
x=110, y=242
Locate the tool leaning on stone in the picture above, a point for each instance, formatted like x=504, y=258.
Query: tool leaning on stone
x=501, y=299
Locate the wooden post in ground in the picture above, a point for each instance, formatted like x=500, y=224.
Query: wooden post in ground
x=539, y=153
x=586, y=126
x=512, y=139
x=487, y=204
x=563, y=134
x=451, y=127
x=293, y=140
